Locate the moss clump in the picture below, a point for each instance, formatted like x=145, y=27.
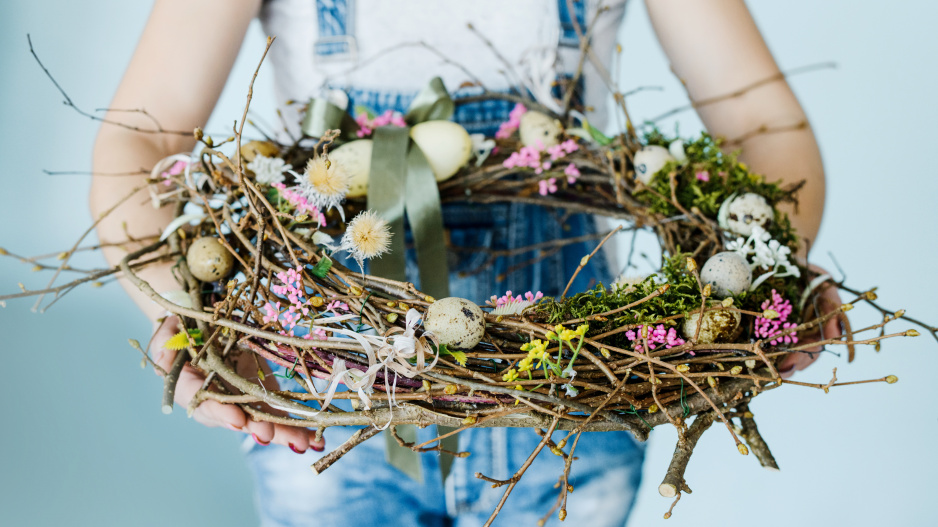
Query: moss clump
x=725, y=176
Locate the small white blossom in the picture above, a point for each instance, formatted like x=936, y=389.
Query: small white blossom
x=760, y=250
x=268, y=170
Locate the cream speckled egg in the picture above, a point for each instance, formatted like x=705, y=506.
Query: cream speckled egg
x=649, y=160
x=208, y=259
x=718, y=326
x=252, y=149
x=445, y=144
x=456, y=322
x=537, y=126
x=727, y=273
x=739, y=214
x=355, y=159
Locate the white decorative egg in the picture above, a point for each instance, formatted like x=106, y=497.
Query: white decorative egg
x=539, y=127
x=727, y=273
x=355, y=159
x=456, y=322
x=676, y=149
x=718, y=326
x=649, y=160
x=208, y=259
x=445, y=144
x=740, y=213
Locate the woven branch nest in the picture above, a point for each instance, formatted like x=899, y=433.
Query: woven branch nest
x=636, y=364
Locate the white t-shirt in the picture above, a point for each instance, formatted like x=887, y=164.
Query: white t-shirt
x=381, y=52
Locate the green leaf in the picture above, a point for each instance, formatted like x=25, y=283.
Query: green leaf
x=458, y=355
x=179, y=341
x=321, y=269
x=196, y=335
x=359, y=110
x=600, y=137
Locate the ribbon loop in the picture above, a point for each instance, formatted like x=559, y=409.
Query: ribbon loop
x=432, y=103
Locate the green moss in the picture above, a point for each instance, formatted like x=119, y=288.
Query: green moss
x=727, y=176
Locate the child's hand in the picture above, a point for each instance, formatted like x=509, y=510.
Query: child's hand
x=212, y=413
x=828, y=301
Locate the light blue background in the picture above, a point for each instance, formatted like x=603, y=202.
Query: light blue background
x=83, y=441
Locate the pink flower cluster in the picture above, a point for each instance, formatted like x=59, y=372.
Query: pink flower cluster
x=530, y=156
x=302, y=204
x=657, y=335
x=514, y=121
x=388, y=118
x=703, y=175
x=294, y=291
x=335, y=305
x=766, y=328
x=507, y=298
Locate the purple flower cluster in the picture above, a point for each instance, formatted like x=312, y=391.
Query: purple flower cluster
x=656, y=336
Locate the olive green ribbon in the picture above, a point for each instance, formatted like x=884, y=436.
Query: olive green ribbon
x=402, y=184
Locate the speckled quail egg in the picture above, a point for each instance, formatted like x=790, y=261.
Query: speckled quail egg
x=355, y=159
x=208, y=259
x=740, y=213
x=456, y=322
x=718, y=326
x=446, y=145
x=727, y=273
x=649, y=160
x=252, y=149
x=539, y=127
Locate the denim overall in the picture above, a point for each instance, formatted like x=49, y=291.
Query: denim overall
x=362, y=489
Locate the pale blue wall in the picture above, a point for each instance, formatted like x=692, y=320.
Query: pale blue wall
x=84, y=443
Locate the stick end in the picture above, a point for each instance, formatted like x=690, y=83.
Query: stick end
x=667, y=490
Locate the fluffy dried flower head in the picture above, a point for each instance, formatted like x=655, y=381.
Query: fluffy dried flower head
x=366, y=236
x=324, y=183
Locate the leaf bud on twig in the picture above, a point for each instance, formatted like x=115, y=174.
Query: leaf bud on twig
x=691, y=264
x=911, y=333
x=892, y=379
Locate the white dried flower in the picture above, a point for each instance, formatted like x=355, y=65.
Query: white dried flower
x=513, y=307
x=268, y=170
x=366, y=236
x=324, y=184
x=766, y=253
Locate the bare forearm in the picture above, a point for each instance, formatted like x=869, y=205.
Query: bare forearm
x=118, y=152
x=716, y=49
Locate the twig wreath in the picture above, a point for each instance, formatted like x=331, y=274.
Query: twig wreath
x=257, y=234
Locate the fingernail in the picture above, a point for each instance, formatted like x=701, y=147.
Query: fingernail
x=258, y=441
x=293, y=448
x=318, y=448
x=230, y=426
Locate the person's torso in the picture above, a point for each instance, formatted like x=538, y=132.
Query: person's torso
x=382, y=52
